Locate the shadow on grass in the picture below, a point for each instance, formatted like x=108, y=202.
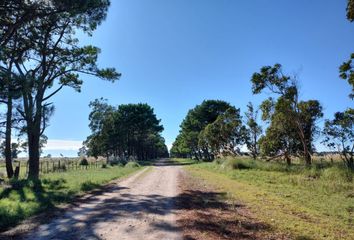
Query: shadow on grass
x=24, y=198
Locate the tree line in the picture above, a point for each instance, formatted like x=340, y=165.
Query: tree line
x=125, y=132
x=215, y=128
x=39, y=56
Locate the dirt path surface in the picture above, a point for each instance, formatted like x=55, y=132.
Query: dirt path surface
x=139, y=207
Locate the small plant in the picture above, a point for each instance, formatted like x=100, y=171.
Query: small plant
x=116, y=161
x=132, y=164
x=104, y=165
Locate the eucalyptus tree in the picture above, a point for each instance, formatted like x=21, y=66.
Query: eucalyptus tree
x=254, y=129
x=290, y=114
x=226, y=135
x=346, y=69
x=339, y=135
x=53, y=61
x=350, y=10
x=195, y=122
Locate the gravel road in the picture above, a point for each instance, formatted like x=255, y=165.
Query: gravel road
x=139, y=207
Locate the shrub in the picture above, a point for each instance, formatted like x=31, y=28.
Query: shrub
x=115, y=161
x=132, y=164
x=104, y=165
x=88, y=186
x=84, y=162
x=219, y=161
x=235, y=164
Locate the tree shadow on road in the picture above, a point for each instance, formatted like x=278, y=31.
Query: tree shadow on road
x=207, y=210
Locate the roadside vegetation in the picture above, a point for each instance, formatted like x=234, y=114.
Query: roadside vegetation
x=20, y=199
x=306, y=203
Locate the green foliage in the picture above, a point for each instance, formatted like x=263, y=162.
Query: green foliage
x=292, y=122
x=211, y=128
x=84, y=162
x=350, y=10
x=15, y=149
x=225, y=135
x=132, y=164
x=131, y=130
x=346, y=71
x=339, y=135
x=254, y=130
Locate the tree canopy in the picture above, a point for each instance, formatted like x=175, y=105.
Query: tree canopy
x=40, y=49
x=128, y=131
x=214, y=127
x=292, y=122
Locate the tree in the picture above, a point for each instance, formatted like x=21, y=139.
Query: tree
x=195, y=122
x=298, y=116
x=14, y=150
x=225, y=135
x=346, y=71
x=350, y=10
x=339, y=134
x=254, y=130
x=8, y=95
x=130, y=130
x=55, y=61
x=210, y=129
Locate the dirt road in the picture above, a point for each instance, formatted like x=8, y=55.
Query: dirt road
x=139, y=207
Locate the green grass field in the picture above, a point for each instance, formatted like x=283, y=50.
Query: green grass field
x=22, y=199
x=315, y=203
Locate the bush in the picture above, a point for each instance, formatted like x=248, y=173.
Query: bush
x=84, y=162
x=117, y=161
x=2, y=175
x=132, y=165
x=235, y=164
x=104, y=165
x=219, y=161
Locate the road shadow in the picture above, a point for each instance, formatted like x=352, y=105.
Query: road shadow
x=170, y=162
x=71, y=226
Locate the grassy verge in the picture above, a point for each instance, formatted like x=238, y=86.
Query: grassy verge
x=22, y=198
x=315, y=203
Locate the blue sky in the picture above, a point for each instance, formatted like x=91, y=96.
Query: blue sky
x=174, y=54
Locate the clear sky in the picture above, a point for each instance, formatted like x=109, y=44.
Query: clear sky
x=173, y=54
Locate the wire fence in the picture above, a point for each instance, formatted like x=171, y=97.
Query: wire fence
x=55, y=165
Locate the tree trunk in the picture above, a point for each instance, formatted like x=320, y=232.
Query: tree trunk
x=287, y=159
x=8, y=152
x=33, y=153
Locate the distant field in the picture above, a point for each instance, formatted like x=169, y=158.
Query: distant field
x=315, y=203
x=21, y=199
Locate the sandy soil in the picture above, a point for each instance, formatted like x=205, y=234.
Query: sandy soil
x=140, y=207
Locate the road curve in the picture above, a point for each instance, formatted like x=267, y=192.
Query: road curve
x=139, y=207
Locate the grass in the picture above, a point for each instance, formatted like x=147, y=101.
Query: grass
x=22, y=198
x=307, y=203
